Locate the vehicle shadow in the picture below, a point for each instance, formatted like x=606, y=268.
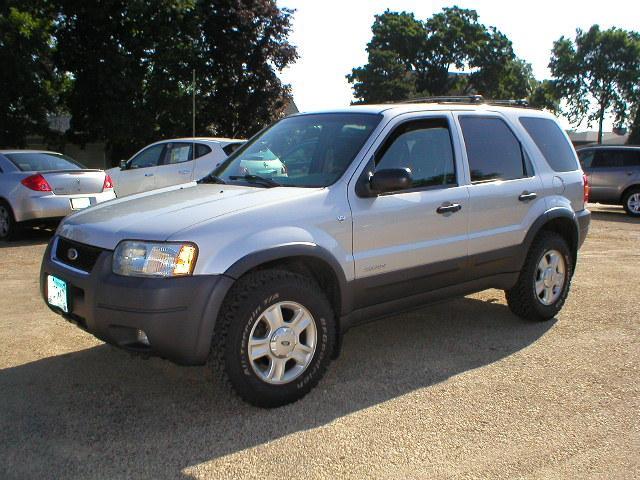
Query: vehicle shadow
x=30, y=236
x=612, y=214
x=100, y=411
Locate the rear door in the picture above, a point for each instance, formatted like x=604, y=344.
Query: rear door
x=176, y=166
x=504, y=193
x=607, y=174
x=404, y=242
x=139, y=176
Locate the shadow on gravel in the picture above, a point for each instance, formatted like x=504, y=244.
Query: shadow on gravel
x=611, y=215
x=99, y=412
x=30, y=236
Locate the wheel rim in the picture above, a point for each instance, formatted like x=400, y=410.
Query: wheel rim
x=4, y=221
x=550, y=277
x=282, y=342
x=633, y=202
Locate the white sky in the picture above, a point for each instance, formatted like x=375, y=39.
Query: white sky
x=331, y=35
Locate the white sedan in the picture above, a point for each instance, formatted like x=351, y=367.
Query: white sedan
x=171, y=162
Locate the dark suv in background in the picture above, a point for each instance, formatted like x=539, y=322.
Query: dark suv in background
x=614, y=175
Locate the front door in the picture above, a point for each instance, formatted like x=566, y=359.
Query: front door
x=140, y=171
x=411, y=241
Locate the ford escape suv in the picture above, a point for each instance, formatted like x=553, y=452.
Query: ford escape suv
x=380, y=209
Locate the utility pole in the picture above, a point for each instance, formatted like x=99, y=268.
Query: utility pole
x=193, y=119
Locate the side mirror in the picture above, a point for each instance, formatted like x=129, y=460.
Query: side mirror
x=390, y=180
x=123, y=164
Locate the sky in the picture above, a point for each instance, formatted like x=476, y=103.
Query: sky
x=331, y=36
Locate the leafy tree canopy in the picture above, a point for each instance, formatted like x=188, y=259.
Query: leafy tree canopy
x=449, y=53
x=598, y=73
x=123, y=68
x=27, y=76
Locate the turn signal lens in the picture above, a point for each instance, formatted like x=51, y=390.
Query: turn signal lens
x=36, y=182
x=108, y=183
x=585, y=183
x=185, y=260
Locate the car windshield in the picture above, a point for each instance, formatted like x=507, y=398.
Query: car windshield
x=300, y=151
x=40, y=161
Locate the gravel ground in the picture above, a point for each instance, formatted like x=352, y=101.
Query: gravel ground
x=462, y=389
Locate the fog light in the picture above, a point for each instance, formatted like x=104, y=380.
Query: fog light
x=141, y=337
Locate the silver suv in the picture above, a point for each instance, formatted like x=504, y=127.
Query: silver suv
x=380, y=209
x=614, y=175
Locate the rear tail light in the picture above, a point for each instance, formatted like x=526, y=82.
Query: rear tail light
x=36, y=182
x=108, y=183
x=585, y=183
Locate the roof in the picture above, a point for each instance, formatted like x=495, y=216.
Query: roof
x=399, y=108
x=18, y=150
x=609, y=147
x=202, y=139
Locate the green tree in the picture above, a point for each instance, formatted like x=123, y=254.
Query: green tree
x=130, y=64
x=28, y=78
x=634, y=134
x=449, y=53
x=598, y=73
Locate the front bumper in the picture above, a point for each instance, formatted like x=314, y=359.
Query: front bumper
x=36, y=207
x=177, y=314
x=584, y=219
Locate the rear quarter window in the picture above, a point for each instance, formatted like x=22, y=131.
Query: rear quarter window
x=555, y=147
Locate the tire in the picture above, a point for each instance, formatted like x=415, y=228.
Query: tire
x=526, y=299
x=631, y=202
x=9, y=228
x=247, y=323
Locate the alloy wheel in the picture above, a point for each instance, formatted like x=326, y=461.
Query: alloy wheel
x=282, y=342
x=550, y=277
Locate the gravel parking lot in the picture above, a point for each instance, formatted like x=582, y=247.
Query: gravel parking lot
x=462, y=389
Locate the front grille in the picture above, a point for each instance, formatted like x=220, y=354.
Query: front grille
x=77, y=255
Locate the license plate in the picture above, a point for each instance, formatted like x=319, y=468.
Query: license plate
x=80, y=203
x=57, y=293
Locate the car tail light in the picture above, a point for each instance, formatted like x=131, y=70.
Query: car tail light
x=585, y=183
x=108, y=183
x=36, y=182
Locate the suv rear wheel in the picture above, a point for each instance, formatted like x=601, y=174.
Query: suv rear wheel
x=631, y=202
x=544, y=281
x=274, y=337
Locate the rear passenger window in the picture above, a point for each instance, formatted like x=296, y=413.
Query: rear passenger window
x=493, y=150
x=202, y=150
x=549, y=138
x=607, y=159
x=424, y=147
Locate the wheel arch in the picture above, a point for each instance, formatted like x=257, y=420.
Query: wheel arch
x=561, y=221
x=634, y=186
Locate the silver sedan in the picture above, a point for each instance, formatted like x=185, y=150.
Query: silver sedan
x=37, y=185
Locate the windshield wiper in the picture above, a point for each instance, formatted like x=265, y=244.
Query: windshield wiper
x=211, y=179
x=267, y=182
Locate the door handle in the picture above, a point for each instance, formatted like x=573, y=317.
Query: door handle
x=526, y=196
x=148, y=174
x=184, y=172
x=629, y=173
x=449, y=208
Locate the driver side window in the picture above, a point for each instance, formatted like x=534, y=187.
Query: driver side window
x=424, y=147
x=147, y=158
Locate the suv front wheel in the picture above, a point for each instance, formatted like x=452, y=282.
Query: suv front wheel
x=543, y=284
x=274, y=337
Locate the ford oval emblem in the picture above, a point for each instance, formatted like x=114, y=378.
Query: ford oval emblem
x=72, y=254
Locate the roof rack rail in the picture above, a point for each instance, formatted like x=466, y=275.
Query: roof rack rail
x=447, y=99
x=467, y=99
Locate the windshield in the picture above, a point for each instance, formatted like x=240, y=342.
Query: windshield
x=300, y=151
x=40, y=161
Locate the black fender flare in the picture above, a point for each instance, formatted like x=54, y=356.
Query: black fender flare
x=547, y=217
x=303, y=249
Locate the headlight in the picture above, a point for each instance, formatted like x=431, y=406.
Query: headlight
x=150, y=259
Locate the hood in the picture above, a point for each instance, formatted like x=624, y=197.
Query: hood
x=158, y=214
